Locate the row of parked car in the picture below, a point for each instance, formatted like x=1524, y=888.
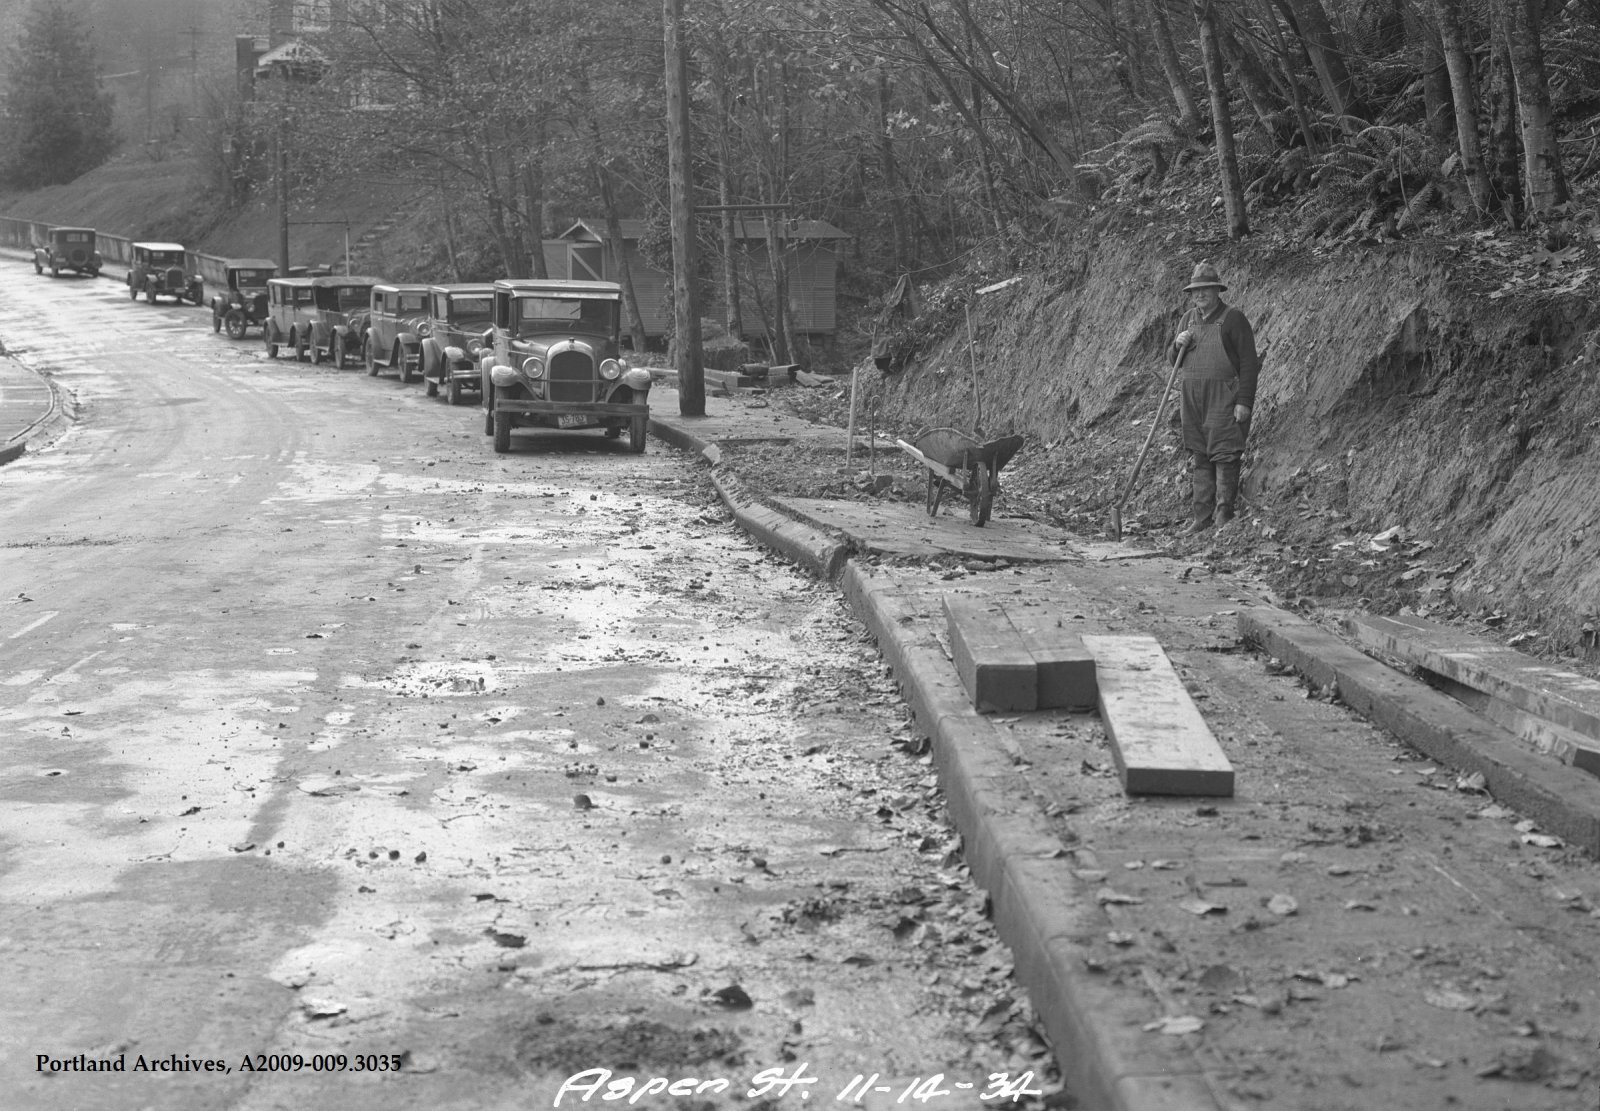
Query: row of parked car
x=542, y=353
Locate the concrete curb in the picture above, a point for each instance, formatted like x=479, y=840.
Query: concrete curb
x=817, y=551
x=17, y=445
x=1564, y=803
x=1041, y=909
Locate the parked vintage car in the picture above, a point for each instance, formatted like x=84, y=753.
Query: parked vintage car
x=395, y=327
x=290, y=306
x=554, y=362
x=158, y=270
x=67, y=249
x=243, y=305
x=458, y=316
x=338, y=325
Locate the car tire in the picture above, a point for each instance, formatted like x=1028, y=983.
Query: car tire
x=402, y=363
x=454, y=391
x=338, y=353
x=271, y=337
x=316, y=351
x=236, y=324
x=502, y=433
x=372, y=362
x=638, y=428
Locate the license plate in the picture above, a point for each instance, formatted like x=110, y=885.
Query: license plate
x=574, y=421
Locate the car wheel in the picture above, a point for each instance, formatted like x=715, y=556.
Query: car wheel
x=502, y=433
x=216, y=321
x=316, y=351
x=271, y=337
x=402, y=363
x=637, y=428
x=236, y=324
x=455, y=390
x=372, y=362
x=338, y=353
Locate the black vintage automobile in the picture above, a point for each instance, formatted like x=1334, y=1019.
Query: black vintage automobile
x=243, y=305
x=67, y=249
x=337, y=324
x=458, y=316
x=159, y=270
x=554, y=362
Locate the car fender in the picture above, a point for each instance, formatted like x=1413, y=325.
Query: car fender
x=409, y=340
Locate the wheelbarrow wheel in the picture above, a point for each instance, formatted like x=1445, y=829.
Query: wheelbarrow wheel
x=935, y=492
x=982, y=499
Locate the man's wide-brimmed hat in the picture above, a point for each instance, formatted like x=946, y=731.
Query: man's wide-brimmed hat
x=1205, y=275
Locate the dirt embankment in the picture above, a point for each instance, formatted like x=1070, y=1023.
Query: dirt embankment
x=1395, y=391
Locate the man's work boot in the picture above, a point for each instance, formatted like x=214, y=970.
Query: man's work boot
x=1227, y=491
x=1204, y=478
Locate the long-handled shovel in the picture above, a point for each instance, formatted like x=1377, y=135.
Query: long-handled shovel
x=1138, y=464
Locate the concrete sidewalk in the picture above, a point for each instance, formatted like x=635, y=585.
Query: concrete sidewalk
x=1005, y=777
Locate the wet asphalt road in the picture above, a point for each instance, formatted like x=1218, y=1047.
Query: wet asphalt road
x=346, y=763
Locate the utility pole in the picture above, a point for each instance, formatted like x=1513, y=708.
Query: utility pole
x=685, y=287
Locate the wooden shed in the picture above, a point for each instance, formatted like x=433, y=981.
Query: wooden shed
x=810, y=251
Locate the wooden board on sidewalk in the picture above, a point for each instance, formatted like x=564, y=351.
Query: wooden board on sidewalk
x=996, y=669
x=1065, y=666
x=1524, y=692
x=1161, y=743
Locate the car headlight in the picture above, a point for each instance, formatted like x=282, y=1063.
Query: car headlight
x=454, y=354
x=637, y=378
x=502, y=375
x=533, y=366
x=474, y=345
x=610, y=368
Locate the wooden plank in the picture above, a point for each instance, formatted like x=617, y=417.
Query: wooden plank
x=1161, y=743
x=1065, y=666
x=996, y=670
x=1564, y=698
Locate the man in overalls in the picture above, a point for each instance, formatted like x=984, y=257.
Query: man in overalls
x=1218, y=392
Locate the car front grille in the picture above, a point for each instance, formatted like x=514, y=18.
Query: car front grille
x=174, y=277
x=571, y=377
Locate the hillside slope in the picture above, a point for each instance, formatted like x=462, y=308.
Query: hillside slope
x=1401, y=387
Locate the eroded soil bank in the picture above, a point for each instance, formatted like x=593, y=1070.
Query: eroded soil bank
x=1450, y=392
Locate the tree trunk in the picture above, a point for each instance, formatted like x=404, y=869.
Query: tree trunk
x=891, y=177
x=1291, y=78
x=1172, y=67
x=1459, y=66
x=1502, y=156
x=1242, y=62
x=1544, y=181
x=1227, y=157
x=717, y=70
x=533, y=221
x=1436, y=97
x=1310, y=21
x=685, y=280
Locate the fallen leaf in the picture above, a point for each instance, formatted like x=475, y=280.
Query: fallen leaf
x=1449, y=1000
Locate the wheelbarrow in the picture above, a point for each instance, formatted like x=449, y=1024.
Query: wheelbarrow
x=960, y=462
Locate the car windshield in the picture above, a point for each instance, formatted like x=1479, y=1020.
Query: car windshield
x=477, y=307
x=412, y=303
x=249, y=279
x=561, y=314
x=346, y=298
x=165, y=258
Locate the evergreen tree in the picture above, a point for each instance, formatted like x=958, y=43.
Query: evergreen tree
x=57, y=119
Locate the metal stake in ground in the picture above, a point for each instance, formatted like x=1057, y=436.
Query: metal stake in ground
x=1138, y=464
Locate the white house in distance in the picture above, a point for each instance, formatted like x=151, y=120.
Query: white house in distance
x=810, y=248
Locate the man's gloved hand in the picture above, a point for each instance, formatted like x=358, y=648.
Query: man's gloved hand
x=1184, y=340
x=1241, y=413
